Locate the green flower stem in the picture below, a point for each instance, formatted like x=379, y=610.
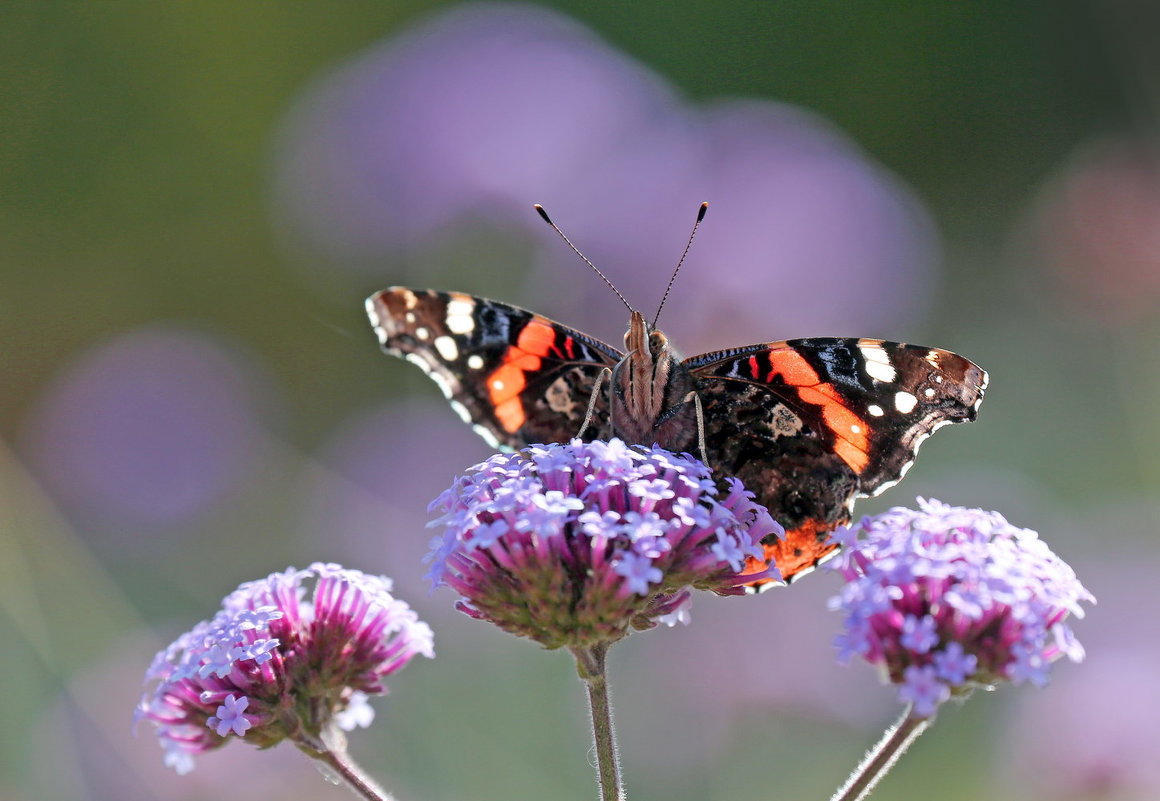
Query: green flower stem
x=590, y=662
x=343, y=767
x=881, y=758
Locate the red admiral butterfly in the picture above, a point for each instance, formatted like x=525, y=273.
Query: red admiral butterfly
x=807, y=424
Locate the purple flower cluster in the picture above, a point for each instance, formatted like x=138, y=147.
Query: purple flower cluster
x=570, y=545
x=274, y=662
x=945, y=599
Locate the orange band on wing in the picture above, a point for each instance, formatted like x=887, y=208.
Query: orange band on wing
x=507, y=382
x=510, y=414
x=538, y=337
x=801, y=549
x=794, y=369
x=851, y=434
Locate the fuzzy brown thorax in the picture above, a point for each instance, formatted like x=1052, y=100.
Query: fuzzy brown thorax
x=650, y=390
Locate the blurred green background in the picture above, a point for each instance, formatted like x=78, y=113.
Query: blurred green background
x=191, y=396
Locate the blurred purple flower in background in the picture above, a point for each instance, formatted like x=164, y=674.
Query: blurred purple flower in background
x=487, y=108
x=1097, y=733
x=482, y=109
x=151, y=428
x=366, y=497
x=765, y=658
x=87, y=727
x=805, y=235
x=1096, y=230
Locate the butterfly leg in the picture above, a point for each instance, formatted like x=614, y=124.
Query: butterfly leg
x=591, y=412
x=700, y=425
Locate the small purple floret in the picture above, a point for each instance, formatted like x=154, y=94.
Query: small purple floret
x=945, y=599
x=638, y=572
x=922, y=688
x=230, y=717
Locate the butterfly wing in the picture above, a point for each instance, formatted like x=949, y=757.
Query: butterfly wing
x=811, y=424
x=515, y=376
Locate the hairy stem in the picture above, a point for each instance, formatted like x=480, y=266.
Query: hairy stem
x=590, y=662
x=881, y=758
x=336, y=758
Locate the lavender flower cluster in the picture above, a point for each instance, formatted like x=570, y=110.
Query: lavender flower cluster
x=273, y=662
x=945, y=599
x=570, y=544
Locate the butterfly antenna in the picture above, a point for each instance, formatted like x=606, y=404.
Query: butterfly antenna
x=700, y=216
x=576, y=250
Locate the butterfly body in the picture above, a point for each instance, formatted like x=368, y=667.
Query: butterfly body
x=808, y=425
x=652, y=392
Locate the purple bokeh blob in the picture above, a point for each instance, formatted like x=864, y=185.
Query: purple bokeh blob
x=805, y=236
x=740, y=659
x=148, y=429
x=368, y=505
x=1095, y=732
x=482, y=109
x=487, y=108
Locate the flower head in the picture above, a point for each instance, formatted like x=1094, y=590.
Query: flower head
x=572, y=545
x=274, y=662
x=946, y=599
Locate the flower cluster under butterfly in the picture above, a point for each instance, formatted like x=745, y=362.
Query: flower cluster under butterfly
x=808, y=425
x=575, y=545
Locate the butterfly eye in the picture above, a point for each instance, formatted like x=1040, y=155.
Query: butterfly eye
x=657, y=342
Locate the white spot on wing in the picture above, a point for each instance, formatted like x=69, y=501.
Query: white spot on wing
x=934, y=427
x=441, y=382
x=875, y=410
x=419, y=361
x=461, y=314
x=497, y=385
x=422, y=333
x=881, y=372
x=905, y=402
x=447, y=348
x=373, y=313
x=878, y=364
x=488, y=437
x=474, y=361
x=461, y=410
x=429, y=369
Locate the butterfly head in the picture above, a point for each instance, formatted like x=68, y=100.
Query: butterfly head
x=643, y=342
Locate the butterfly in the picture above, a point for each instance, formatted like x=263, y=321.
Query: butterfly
x=808, y=425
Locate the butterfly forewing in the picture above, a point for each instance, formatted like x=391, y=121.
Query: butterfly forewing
x=516, y=376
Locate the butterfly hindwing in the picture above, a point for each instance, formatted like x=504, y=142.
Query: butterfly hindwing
x=811, y=424
x=516, y=376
